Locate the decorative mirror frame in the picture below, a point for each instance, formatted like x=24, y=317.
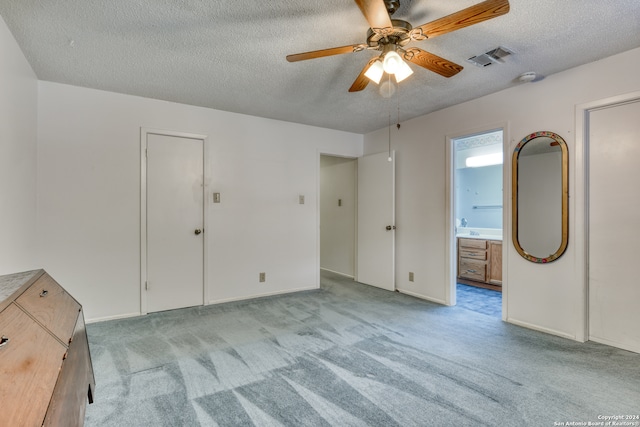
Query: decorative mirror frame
x=565, y=197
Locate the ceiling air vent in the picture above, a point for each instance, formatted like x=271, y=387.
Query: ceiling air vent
x=488, y=58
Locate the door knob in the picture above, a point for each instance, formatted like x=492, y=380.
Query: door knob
x=198, y=231
x=390, y=227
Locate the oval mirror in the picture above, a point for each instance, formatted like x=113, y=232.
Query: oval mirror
x=540, y=198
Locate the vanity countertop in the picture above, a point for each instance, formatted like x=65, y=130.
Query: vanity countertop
x=480, y=233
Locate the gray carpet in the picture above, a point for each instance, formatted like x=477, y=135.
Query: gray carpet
x=349, y=355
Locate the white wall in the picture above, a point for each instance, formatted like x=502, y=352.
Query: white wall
x=18, y=161
x=546, y=297
x=89, y=196
x=338, y=223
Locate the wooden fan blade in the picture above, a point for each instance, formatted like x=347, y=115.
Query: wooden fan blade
x=325, y=52
x=362, y=81
x=376, y=14
x=432, y=62
x=472, y=15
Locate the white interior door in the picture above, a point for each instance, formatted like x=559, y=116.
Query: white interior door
x=175, y=202
x=614, y=202
x=376, y=221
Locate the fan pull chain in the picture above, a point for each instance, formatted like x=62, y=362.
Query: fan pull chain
x=390, y=159
x=389, y=104
x=398, y=95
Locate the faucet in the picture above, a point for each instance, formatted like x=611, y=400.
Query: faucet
x=463, y=222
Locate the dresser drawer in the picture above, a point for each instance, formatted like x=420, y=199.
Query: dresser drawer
x=29, y=367
x=472, y=269
x=52, y=306
x=479, y=254
x=472, y=243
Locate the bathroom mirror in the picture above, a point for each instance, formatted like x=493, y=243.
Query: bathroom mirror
x=540, y=198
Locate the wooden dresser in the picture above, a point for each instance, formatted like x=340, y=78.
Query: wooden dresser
x=480, y=262
x=46, y=376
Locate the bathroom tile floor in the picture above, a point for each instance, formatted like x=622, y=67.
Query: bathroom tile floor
x=485, y=301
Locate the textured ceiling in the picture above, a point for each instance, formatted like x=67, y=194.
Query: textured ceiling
x=230, y=55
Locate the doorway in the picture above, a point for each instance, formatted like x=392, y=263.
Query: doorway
x=338, y=210
x=477, y=221
x=172, y=221
x=357, y=214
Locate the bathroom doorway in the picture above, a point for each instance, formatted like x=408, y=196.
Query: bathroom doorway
x=477, y=210
x=338, y=215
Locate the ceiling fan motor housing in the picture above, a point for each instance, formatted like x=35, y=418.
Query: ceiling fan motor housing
x=398, y=35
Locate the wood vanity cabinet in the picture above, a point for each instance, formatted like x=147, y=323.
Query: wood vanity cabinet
x=472, y=259
x=480, y=261
x=46, y=376
x=494, y=274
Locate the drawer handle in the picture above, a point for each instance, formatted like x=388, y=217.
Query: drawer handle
x=3, y=341
x=44, y=293
x=471, y=271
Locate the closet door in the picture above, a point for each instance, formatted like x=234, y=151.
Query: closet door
x=376, y=221
x=614, y=231
x=175, y=222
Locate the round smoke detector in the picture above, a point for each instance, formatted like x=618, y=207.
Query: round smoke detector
x=527, y=77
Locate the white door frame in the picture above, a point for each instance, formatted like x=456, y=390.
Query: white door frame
x=581, y=201
x=450, y=241
x=144, y=132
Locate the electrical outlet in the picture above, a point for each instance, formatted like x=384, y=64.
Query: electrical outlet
x=301, y=199
x=263, y=277
x=411, y=276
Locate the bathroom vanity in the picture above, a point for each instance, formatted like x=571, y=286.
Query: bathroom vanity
x=480, y=262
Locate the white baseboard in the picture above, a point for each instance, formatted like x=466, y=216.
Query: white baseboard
x=623, y=346
x=337, y=272
x=268, y=294
x=541, y=329
x=116, y=317
x=221, y=301
x=424, y=297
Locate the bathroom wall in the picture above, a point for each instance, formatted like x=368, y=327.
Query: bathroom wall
x=479, y=196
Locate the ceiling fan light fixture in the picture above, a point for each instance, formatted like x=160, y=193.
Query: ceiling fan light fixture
x=392, y=62
x=403, y=72
x=375, y=72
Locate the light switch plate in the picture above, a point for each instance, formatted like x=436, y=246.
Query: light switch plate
x=216, y=197
x=301, y=199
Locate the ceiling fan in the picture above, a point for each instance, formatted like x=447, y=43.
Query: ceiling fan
x=392, y=35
